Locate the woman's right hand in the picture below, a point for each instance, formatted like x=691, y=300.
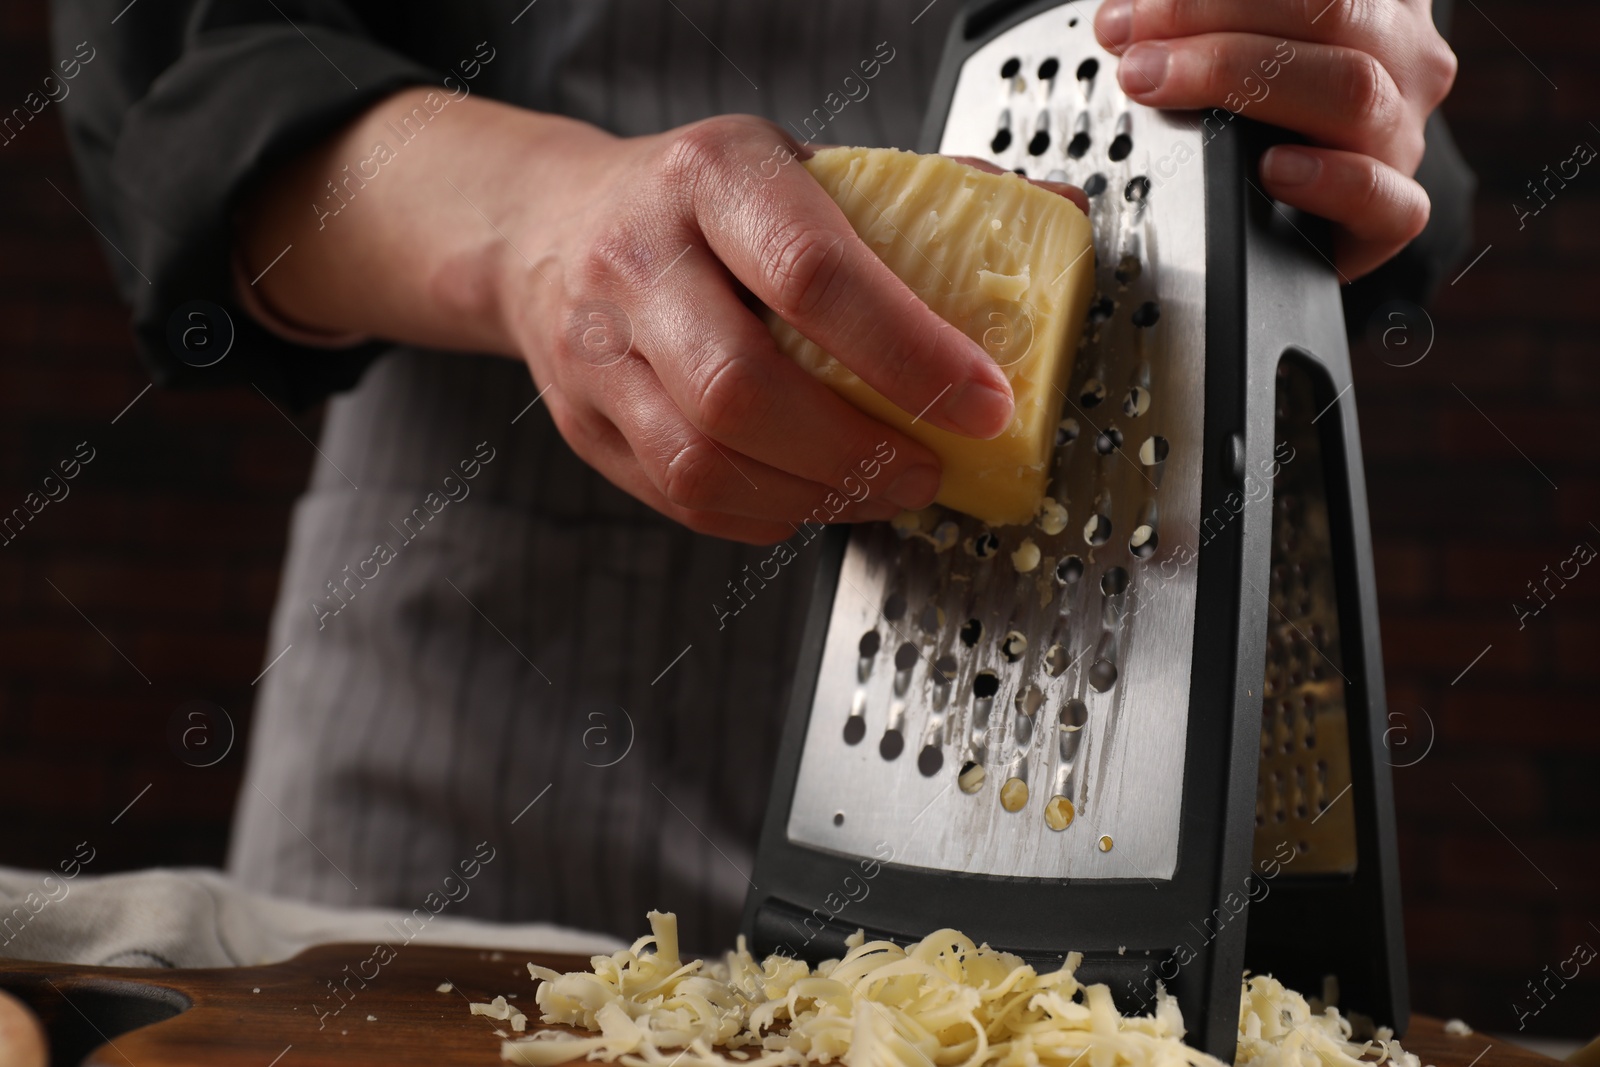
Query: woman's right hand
x=629, y=274
x=637, y=315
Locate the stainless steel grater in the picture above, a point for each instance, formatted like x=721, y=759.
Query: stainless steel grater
x=1178, y=703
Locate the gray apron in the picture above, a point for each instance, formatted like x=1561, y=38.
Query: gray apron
x=527, y=657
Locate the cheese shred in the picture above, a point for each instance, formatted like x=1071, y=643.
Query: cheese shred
x=942, y=1002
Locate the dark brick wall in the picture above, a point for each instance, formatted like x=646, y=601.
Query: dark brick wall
x=1463, y=520
x=170, y=539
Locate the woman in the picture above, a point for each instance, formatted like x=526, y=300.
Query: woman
x=498, y=614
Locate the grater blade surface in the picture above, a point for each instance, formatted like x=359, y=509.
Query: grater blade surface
x=1033, y=724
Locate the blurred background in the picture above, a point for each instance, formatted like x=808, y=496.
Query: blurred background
x=148, y=586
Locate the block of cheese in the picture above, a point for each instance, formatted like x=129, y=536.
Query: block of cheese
x=1007, y=263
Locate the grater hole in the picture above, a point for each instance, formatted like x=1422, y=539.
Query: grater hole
x=1095, y=185
x=985, y=545
x=905, y=657
x=1014, y=795
x=838, y=818
x=929, y=618
x=1022, y=733
x=894, y=608
x=1040, y=143
x=1097, y=531
x=1128, y=268
x=1014, y=646
x=1072, y=22
x=1103, y=675
x=869, y=644
x=929, y=760
x=855, y=728
x=1108, y=440
x=1074, y=714
x=1078, y=147
x=1058, y=813
x=1010, y=67
x=1102, y=310
x=1143, y=543
x=1055, y=661
x=1121, y=145
x=1154, y=451
x=1146, y=314
x=944, y=669
x=892, y=745
x=1094, y=391
x=1049, y=68
x=971, y=631
x=1029, y=700
x=985, y=684
x=1020, y=170
x=1114, y=582
x=1001, y=142
x=1088, y=69
x=970, y=780
x=1067, y=432
x=1137, y=402
x=1137, y=189
x=1069, y=570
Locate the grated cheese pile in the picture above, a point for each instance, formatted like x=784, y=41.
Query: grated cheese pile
x=943, y=1002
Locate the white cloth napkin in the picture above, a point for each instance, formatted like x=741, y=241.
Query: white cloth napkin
x=198, y=918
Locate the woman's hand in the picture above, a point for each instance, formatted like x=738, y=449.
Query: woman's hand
x=1361, y=78
x=639, y=315
x=629, y=273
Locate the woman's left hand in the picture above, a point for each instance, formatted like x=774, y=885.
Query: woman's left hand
x=1357, y=78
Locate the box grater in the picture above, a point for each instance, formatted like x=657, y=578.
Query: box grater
x=1170, y=732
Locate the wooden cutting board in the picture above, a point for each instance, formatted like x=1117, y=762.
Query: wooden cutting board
x=286, y=1015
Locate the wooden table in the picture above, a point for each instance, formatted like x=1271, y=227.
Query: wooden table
x=313, y=1011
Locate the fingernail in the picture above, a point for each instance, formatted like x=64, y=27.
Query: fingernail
x=978, y=409
x=1143, y=68
x=1289, y=166
x=1115, y=22
x=915, y=488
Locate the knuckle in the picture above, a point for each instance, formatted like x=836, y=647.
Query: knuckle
x=1442, y=66
x=693, y=150
x=802, y=269
x=1369, y=97
x=1363, y=85
x=584, y=429
x=691, y=477
x=702, y=156
x=1414, y=215
x=732, y=394
x=617, y=261
x=1400, y=203
x=900, y=356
